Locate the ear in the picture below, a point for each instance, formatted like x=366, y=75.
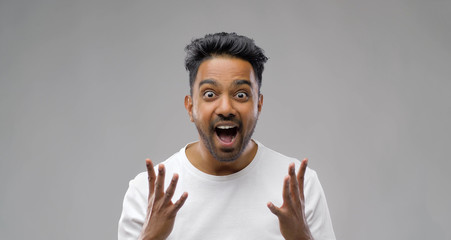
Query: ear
x=189, y=106
x=260, y=103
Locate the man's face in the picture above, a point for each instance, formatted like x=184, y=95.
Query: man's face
x=225, y=105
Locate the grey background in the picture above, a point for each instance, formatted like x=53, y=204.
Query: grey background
x=89, y=89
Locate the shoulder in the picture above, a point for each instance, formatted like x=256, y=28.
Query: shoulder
x=278, y=162
x=140, y=182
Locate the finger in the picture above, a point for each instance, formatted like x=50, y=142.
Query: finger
x=171, y=189
x=159, y=185
x=151, y=176
x=180, y=202
x=300, y=177
x=286, y=191
x=294, y=186
x=275, y=210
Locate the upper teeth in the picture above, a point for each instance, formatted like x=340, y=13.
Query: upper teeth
x=225, y=127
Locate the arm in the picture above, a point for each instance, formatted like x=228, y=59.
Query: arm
x=161, y=211
x=292, y=220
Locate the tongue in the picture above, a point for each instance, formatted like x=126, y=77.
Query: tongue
x=227, y=138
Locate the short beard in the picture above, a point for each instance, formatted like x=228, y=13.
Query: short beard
x=208, y=144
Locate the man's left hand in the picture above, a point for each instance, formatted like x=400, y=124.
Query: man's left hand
x=292, y=221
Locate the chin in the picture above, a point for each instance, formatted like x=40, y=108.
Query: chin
x=227, y=157
x=229, y=154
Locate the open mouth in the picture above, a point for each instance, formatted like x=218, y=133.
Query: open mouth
x=226, y=133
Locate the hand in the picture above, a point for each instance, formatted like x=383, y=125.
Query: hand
x=292, y=221
x=161, y=211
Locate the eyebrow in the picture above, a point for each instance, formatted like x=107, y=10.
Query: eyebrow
x=208, y=81
x=241, y=82
x=215, y=83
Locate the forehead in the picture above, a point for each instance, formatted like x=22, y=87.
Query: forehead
x=225, y=70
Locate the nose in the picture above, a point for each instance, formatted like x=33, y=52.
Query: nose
x=225, y=107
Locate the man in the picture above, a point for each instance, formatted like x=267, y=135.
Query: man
x=238, y=188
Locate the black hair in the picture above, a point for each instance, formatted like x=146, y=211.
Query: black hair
x=227, y=44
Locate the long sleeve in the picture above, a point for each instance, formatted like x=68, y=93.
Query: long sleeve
x=133, y=211
x=317, y=211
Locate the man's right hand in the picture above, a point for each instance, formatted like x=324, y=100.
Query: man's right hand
x=161, y=211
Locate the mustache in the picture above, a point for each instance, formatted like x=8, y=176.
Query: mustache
x=228, y=119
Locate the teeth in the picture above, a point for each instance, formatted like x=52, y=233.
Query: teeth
x=225, y=127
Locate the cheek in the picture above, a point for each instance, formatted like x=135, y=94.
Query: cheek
x=250, y=114
x=194, y=112
x=201, y=113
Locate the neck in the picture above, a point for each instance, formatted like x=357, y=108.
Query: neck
x=202, y=159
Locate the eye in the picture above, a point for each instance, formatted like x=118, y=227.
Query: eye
x=242, y=96
x=209, y=94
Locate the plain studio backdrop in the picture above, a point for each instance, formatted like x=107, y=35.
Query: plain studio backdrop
x=89, y=89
